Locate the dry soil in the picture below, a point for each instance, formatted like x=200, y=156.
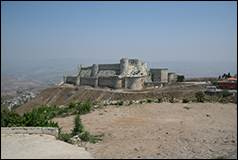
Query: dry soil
x=162, y=130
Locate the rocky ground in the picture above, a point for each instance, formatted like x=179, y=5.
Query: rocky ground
x=162, y=130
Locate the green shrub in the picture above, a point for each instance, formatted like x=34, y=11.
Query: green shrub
x=64, y=137
x=78, y=127
x=79, y=130
x=36, y=118
x=171, y=99
x=120, y=103
x=39, y=117
x=200, y=96
x=10, y=119
x=148, y=100
x=225, y=93
x=84, y=107
x=185, y=100
x=130, y=102
x=159, y=100
x=180, y=78
x=85, y=136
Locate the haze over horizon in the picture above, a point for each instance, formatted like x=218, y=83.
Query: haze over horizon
x=191, y=38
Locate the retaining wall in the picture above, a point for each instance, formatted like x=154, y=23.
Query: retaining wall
x=30, y=130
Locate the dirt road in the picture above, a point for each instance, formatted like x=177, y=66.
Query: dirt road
x=162, y=130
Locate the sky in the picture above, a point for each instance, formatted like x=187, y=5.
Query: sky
x=200, y=36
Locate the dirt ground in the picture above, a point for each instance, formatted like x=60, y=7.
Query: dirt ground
x=162, y=130
x=25, y=146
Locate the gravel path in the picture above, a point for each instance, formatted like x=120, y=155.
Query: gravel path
x=25, y=146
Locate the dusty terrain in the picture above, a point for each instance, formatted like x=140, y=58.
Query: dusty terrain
x=162, y=130
x=25, y=146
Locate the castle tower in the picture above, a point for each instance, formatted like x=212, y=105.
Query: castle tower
x=124, y=63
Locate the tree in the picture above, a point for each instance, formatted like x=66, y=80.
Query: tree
x=200, y=96
x=180, y=78
x=224, y=75
x=229, y=75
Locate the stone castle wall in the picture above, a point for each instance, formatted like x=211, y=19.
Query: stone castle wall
x=71, y=79
x=89, y=81
x=172, y=77
x=159, y=75
x=129, y=73
x=115, y=67
x=111, y=82
x=135, y=83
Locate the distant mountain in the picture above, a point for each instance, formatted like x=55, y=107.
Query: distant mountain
x=11, y=84
x=51, y=71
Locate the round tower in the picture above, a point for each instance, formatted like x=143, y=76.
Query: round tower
x=124, y=62
x=94, y=70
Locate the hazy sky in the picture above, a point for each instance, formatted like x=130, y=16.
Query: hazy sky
x=203, y=32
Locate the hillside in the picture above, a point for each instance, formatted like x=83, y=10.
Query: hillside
x=63, y=95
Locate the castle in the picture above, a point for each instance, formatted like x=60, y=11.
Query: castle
x=128, y=74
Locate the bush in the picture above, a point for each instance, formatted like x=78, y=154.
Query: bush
x=84, y=136
x=171, y=99
x=225, y=93
x=185, y=100
x=39, y=117
x=84, y=107
x=78, y=127
x=180, y=78
x=148, y=100
x=159, y=100
x=10, y=119
x=130, y=102
x=79, y=130
x=120, y=103
x=200, y=96
x=65, y=137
